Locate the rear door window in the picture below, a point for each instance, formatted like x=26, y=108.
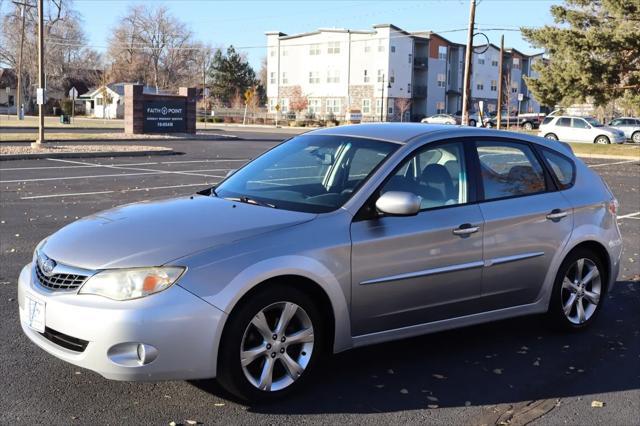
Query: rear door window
x=509, y=169
x=564, y=122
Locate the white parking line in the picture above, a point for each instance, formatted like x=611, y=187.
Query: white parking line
x=89, y=165
x=629, y=216
x=151, y=172
x=76, y=194
x=617, y=162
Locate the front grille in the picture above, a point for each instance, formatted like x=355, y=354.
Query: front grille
x=59, y=281
x=67, y=342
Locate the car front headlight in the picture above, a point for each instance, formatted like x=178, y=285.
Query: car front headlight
x=126, y=284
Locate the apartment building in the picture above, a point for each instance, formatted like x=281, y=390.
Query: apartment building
x=384, y=72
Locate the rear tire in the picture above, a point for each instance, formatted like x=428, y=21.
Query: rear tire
x=603, y=140
x=636, y=137
x=527, y=126
x=248, y=352
x=472, y=123
x=551, y=136
x=578, y=291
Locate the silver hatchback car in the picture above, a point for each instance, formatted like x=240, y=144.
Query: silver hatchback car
x=334, y=239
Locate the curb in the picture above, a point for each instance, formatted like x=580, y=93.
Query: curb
x=608, y=156
x=10, y=157
x=216, y=137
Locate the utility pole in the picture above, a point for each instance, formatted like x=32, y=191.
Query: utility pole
x=466, y=92
x=499, y=116
x=41, y=94
x=204, y=88
x=19, y=86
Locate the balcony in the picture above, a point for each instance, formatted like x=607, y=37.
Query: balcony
x=419, y=91
x=420, y=62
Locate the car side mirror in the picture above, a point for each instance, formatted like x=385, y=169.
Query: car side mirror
x=398, y=203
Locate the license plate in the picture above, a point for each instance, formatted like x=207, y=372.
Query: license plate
x=35, y=314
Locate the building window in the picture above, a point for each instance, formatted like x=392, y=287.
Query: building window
x=272, y=104
x=441, y=80
x=367, y=47
x=393, y=49
x=442, y=52
x=516, y=63
x=367, y=78
x=409, y=88
x=272, y=78
x=333, y=105
x=314, y=77
x=314, y=49
x=366, y=106
x=378, y=106
x=514, y=88
x=98, y=101
x=410, y=57
x=314, y=105
x=480, y=59
x=494, y=85
x=380, y=76
x=284, y=105
x=480, y=85
x=390, y=107
x=272, y=52
x=494, y=62
x=491, y=107
x=392, y=78
x=333, y=76
x=381, y=45
x=285, y=80
x=440, y=108
x=284, y=51
x=334, y=48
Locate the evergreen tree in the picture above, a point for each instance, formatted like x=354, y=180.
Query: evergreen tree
x=594, y=53
x=230, y=74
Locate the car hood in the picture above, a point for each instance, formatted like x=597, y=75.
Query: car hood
x=156, y=232
x=610, y=129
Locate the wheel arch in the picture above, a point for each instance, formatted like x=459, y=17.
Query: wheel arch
x=316, y=279
x=601, y=136
x=599, y=250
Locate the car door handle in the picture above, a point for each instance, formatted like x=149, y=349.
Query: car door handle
x=466, y=229
x=557, y=214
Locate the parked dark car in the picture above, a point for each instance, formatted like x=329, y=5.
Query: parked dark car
x=526, y=121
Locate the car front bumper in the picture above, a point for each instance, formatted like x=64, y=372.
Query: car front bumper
x=181, y=329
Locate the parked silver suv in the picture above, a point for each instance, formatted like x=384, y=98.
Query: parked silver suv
x=579, y=129
x=629, y=126
x=335, y=239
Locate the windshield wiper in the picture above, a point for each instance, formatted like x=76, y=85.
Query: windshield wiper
x=247, y=200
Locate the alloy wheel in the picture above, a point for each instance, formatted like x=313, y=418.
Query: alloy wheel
x=528, y=126
x=602, y=140
x=277, y=346
x=581, y=291
x=636, y=137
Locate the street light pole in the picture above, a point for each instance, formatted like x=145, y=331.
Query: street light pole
x=40, y=140
x=382, y=99
x=500, y=87
x=466, y=92
x=19, y=86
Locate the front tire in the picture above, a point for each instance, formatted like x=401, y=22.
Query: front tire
x=578, y=291
x=472, y=123
x=636, y=137
x=271, y=343
x=602, y=140
x=551, y=136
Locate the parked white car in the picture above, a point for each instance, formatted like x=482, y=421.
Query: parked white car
x=440, y=119
x=579, y=129
x=629, y=126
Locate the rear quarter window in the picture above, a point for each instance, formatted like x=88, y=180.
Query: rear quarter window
x=547, y=120
x=562, y=167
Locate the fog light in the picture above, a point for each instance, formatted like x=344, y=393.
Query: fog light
x=146, y=353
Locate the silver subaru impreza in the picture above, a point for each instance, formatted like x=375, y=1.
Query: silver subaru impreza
x=334, y=239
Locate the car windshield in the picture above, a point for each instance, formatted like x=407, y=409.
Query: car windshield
x=593, y=121
x=309, y=173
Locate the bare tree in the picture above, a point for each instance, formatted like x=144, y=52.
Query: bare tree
x=403, y=105
x=66, y=52
x=152, y=46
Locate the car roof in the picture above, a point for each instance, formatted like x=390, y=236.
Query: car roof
x=403, y=133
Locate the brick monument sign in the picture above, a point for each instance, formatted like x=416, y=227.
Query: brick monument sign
x=150, y=113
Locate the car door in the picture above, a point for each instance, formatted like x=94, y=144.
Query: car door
x=562, y=129
x=581, y=131
x=526, y=222
x=422, y=268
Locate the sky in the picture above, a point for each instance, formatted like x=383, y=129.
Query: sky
x=243, y=23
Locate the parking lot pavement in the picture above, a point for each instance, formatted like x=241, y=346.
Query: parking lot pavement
x=511, y=371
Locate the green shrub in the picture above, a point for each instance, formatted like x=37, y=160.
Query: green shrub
x=66, y=106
